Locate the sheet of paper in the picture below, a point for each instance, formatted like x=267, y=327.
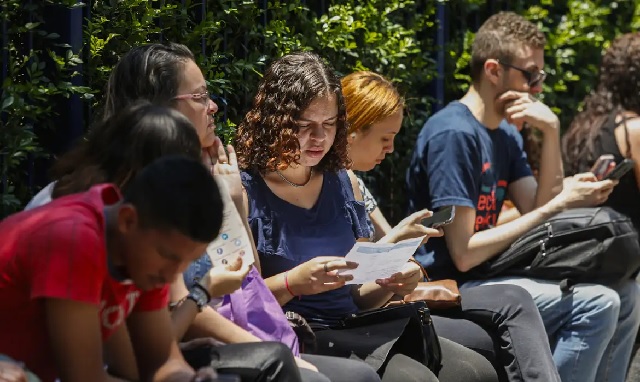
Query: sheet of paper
x=379, y=261
x=233, y=240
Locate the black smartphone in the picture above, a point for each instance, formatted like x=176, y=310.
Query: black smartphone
x=622, y=168
x=440, y=218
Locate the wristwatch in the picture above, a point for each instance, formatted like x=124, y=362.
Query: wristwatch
x=199, y=295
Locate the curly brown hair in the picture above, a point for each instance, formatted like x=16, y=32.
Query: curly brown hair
x=500, y=37
x=266, y=139
x=617, y=91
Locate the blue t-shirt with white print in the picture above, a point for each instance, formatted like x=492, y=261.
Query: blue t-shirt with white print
x=458, y=161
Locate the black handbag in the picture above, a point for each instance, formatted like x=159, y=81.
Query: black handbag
x=249, y=362
x=425, y=342
x=376, y=334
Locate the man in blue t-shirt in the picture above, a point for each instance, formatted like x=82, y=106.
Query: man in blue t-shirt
x=470, y=155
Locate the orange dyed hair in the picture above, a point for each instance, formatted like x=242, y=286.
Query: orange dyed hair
x=370, y=98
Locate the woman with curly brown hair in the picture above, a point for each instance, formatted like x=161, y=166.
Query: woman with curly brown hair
x=306, y=211
x=610, y=124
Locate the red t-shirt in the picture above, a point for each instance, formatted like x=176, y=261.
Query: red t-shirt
x=59, y=251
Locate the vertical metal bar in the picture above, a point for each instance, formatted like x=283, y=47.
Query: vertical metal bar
x=86, y=56
x=265, y=8
x=5, y=72
x=30, y=158
x=5, y=48
x=440, y=58
x=74, y=36
x=203, y=16
x=68, y=23
x=161, y=37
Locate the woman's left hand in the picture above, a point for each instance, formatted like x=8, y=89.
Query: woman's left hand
x=403, y=282
x=412, y=227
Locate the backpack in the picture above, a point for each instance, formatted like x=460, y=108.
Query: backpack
x=583, y=245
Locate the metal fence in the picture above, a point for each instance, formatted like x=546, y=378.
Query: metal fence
x=73, y=113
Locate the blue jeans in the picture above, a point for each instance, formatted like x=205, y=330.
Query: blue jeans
x=591, y=329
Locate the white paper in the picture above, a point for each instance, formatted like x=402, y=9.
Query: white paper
x=233, y=240
x=379, y=261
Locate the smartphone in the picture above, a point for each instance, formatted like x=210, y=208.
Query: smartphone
x=602, y=166
x=440, y=218
x=622, y=168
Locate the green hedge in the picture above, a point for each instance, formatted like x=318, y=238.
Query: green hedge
x=236, y=39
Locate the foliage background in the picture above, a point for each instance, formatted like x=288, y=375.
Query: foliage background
x=234, y=39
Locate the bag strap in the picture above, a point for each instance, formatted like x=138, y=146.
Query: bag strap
x=424, y=271
x=600, y=233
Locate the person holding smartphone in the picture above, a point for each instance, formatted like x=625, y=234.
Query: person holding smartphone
x=469, y=154
x=503, y=318
x=609, y=126
x=306, y=213
x=117, y=154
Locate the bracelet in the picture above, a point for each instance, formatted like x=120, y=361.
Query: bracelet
x=422, y=270
x=286, y=284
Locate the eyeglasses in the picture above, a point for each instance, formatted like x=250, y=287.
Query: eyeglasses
x=533, y=78
x=203, y=97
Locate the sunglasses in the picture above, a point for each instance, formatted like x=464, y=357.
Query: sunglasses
x=533, y=78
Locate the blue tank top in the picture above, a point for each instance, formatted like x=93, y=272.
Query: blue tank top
x=287, y=235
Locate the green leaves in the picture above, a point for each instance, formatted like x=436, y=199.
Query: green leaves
x=35, y=75
x=234, y=40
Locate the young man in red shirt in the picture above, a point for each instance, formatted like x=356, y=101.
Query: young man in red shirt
x=76, y=269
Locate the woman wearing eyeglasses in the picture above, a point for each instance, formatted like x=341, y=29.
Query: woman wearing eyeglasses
x=167, y=74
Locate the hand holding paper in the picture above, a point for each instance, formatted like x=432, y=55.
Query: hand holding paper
x=379, y=261
x=233, y=241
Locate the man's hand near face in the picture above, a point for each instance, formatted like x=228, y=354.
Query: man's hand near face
x=522, y=107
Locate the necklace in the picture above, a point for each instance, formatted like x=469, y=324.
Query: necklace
x=295, y=184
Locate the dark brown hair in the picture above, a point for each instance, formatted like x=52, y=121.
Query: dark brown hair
x=266, y=139
x=500, y=37
x=618, y=90
x=149, y=72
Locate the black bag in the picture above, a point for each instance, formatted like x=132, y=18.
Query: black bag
x=374, y=335
x=592, y=245
x=304, y=332
x=250, y=362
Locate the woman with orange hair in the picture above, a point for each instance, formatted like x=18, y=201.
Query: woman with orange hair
x=500, y=323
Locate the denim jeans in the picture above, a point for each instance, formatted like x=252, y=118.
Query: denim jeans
x=591, y=329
